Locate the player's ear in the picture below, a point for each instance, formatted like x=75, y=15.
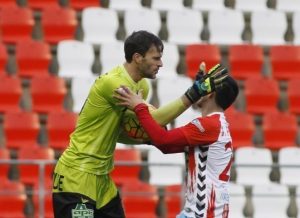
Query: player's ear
x=137, y=58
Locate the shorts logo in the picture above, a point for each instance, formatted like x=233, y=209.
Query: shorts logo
x=81, y=211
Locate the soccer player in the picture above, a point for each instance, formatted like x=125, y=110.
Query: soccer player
x=206, y=140
x=82, y=186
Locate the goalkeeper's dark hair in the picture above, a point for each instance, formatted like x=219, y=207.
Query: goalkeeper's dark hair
x=140, y=42
x=227, y=93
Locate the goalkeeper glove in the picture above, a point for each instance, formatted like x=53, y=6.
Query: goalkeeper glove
x=207, y=83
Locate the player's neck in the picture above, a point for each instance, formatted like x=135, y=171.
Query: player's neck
x=210, y=108
x=132, y=71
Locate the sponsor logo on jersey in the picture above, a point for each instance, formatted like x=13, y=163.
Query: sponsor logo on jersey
x=197, y=123
x=81, y=211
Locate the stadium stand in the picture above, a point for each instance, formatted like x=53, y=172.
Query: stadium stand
x=296, y=27
x=3, y=59
x=10, y=93
x=21, y=129
x=208, y=5
x=58, y=23
x=125, y=5
x=82, y=4
x=245, y=60
x=293, y=96
x=184, y=26
x=167, y=5
x=250, y=6
x=279, y=129
x=7, y=3
x=288, y=5
x=47, y=94
x=99, y=25
x=173, y=199
x=31, y=51
x=16, y=24
x=41, y=5
x=4, y=168
x=237, y=201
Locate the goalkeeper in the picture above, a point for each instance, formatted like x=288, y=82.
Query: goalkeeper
x=82, y=186
x=206, y=141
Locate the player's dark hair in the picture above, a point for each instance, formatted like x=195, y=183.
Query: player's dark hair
x=140, y=42
x=227, y=93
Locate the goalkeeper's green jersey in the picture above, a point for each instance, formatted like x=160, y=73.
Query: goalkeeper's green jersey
x=93, y=142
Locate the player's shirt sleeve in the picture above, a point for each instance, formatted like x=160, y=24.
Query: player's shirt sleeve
x=201, y=131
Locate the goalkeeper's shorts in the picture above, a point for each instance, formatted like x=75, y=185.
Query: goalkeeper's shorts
x=81, y=194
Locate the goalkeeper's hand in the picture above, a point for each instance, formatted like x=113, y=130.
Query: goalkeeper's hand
x=207, y=83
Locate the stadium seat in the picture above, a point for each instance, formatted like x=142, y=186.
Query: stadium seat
x=110, y=55
x=242, y=128
x=3, y=58
x=245, y=61
x=298, y=199
x=279, y=130
x=7, y=3
x=184, y=26
x=48, y=207
x=270, y=200
x=293, y=96
x=58, y=23
x=261, y=95
x=82, y=4
x=289, y=156
x=167, y=5
x=75, y=59
x=41, y=5
x=29, y=173
x=99, y=25
x=30, y=51
x=170, y=61
x=21, y=129
x=10, y=93
x=285, y=61
x=12, y=199
x=140, y=200
x=4, y=167
x=173, y=197
x=208, y=5
x=47, y=94
x=16, y=24
x=80, y=89
x=125, y=5
x=265, y=34
x=59, y=126
x=250, y=173
x=232, y=21
x=296, y=27
x=124, y=174
x=237, y=201
x=171, y=165
x=288, y=6
x=146, y=19
x=196, y=53
x=165, y=88
x=250, y=6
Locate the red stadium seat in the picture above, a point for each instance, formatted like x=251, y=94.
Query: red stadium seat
x=16, y=24
x=48, y=206
x=4, y=168
x=196, y=53
x=30, y=51
x=7, y=3
x=285, y=61
x=21, y=129
x=261, y=95
x=58, y=24
x=140, y=200
x=41, y=5
x=279, y=129
x=241, y=127
x=123, y=175
x=10, y=93
x=12, y=199
x=293, y=94
x=47, y=94
x=59, y=126
x=245, y=60
x=3, y=59
x=29, y=173
x=81, y=4
x=173, y=200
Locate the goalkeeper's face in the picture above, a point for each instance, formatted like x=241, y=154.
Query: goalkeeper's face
x=150, y=63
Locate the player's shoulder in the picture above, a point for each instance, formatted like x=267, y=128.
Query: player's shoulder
x=211, y=122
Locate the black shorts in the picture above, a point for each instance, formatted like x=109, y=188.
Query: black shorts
x=74, y=205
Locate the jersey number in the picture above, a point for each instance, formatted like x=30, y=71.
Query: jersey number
x=224, y=176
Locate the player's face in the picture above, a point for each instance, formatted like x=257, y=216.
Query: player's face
x=150, y=63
